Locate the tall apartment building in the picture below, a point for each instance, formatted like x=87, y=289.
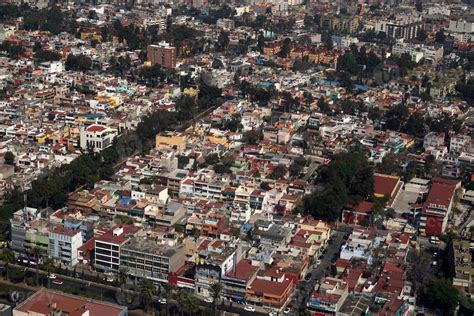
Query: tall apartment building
x=401, y=27
x=107, y=246
x=63, y=244
x=28, y=231
x=162, y=54
x=151, y=259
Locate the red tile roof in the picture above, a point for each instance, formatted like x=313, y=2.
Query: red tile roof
x=96, y=128
x=269, y=287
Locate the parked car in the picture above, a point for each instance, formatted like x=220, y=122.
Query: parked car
x=162, y=301
x=287, y=311
x=57, y=282
x=52, y=276
x=249, y=308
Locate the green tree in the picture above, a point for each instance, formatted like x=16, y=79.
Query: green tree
x=347, y=179
x=285, y=48
x=278, y=172
x=348, y=62
x=9, y=158
x=8, y=257
x=49, y=267
x=297, y=166
x=216, y=290
x=440, y=292
x=37, y=255
x=122, y=278
x=223, y=40
x=396, y=117
x=148, y=292
x=252, y=137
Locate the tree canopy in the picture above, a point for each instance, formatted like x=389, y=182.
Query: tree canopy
x=347, y=179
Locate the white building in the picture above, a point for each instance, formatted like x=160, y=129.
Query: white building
x=460, y=143
x=461, y=26
x=64, y=244
x=240, y=213
x=97, y=137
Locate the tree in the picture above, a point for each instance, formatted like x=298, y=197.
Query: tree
x=278, y=173
x=285, y=48
x=415, y=125
x=48, y=266
x=441, y=293
x=396, y=117
x=347, y=179
x=212, y=159
x=323, y=106
x=148, y=292
x=7, y=257
x=37, y=254
x=9, y=158
x=223, y=40
x=348, y=62
x=252, y=137
x=390, y=164
x=122, y=278
x=297, y=166
x=422, y=35
x=186, y=302
x=216, y=290
x=440, y=37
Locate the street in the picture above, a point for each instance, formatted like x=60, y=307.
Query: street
x=305, y=288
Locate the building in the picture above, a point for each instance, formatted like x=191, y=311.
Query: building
x=212, y=263
x=341, y=23
x=460, y=143
x=406, y=27
x=64, y=244
x=463, y=277
x=162, y=54
x=437, y=208
x=433, y=139
x=108, y=246
x=328, y=296
x=48, y=302
x=29, y=231
x=357, y=214
x=97, y=137
x=226, y=24
x=270, y=288
x=236, y=281
x=151, y=258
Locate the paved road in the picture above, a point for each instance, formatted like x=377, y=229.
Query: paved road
x=305, y=288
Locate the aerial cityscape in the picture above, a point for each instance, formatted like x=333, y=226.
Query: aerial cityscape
x=236, y=157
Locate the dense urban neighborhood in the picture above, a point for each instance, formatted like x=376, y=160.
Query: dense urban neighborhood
x=236, y=157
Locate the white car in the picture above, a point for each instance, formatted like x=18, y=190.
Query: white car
x=52, y=276
x=162, y=301
x=272, y=314
x=287, y=311
x=249, y=308
x=208, y=300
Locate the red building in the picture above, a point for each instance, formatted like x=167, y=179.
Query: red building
x=358, y=213
x=437, y=207
x=162, y=54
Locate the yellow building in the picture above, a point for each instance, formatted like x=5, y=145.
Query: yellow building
x=171, y=140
